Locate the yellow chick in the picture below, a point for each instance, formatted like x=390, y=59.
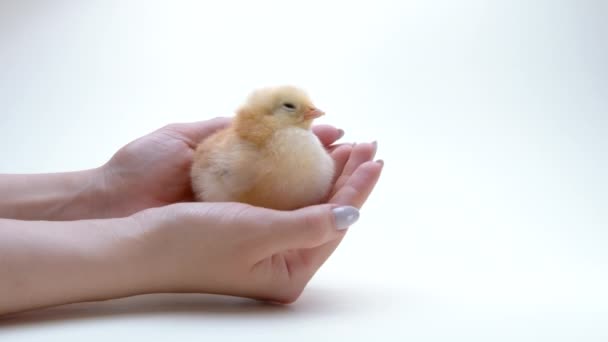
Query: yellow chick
x=268, y=156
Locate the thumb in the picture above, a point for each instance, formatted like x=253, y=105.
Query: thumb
x=311, y=226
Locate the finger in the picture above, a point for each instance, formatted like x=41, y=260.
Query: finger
x=308, y=227
x=327, y=134
x=360, y=154
x=334, y=147
x=340, y=156
x=195, y=132
x=359, y=185
x=354, y=193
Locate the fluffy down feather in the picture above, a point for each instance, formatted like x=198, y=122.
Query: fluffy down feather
x=267, y=157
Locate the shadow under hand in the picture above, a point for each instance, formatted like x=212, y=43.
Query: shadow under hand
x=146, y=305
x=315, y=302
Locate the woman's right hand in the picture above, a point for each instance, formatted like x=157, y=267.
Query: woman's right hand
x=242, y=250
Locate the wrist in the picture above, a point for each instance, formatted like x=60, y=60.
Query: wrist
x=116, y=261
x=126, y=259
x=152, y=246
x=86, y=196
x=173, y=240
x=80, y=195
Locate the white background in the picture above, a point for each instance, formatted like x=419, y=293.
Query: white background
x=490, y=220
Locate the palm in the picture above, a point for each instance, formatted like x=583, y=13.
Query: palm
x=153, y=170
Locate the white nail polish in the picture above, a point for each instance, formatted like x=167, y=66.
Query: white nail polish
x=345, y=216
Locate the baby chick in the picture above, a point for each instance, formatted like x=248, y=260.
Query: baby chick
x=268, y=156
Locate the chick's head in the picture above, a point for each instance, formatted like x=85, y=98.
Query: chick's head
x=285, y=106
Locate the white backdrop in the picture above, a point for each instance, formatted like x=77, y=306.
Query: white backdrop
x=490, y=220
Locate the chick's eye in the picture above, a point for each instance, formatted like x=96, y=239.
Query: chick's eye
x=289, y=106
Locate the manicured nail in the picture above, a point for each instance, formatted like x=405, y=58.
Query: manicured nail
x=345, y=216
x=340, y=134
x=375, y=145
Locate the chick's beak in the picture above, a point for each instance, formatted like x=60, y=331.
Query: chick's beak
x=313, y=113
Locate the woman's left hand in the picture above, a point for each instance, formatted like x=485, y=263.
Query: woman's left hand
x=154, y=170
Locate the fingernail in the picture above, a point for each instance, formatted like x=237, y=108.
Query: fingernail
x=340, y=134
x=375, y=144
x=345, y=216
x=380, y=161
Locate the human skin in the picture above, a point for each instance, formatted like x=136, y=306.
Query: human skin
x=130, y=227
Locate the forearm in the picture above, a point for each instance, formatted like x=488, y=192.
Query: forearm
x=55, y=196
x=51, y=263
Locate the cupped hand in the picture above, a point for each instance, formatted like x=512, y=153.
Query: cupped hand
x=154, y=170
x=241, y=250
